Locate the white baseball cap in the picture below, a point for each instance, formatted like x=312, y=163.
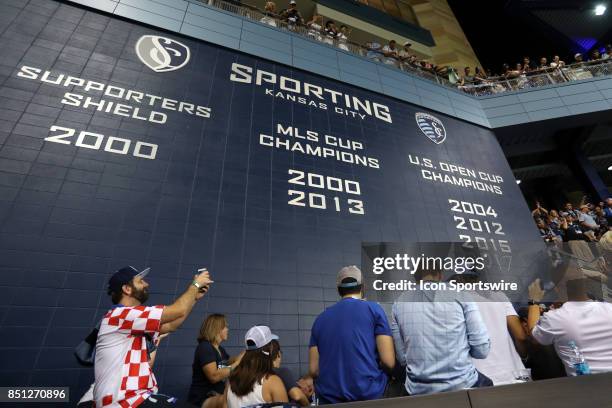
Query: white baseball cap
x=258, y=336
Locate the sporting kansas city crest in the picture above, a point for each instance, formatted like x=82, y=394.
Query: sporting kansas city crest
x=431, y=127
x=162, y=54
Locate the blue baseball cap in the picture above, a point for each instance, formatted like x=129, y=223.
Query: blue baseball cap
x=124, y=276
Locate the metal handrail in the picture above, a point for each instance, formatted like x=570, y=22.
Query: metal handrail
x=484, y=87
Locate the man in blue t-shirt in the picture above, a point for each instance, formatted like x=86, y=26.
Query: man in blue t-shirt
x=349, y=343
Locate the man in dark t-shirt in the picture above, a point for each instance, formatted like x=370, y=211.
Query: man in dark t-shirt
x=201, y=387
x=294, y=391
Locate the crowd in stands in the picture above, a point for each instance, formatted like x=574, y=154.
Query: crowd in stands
x=430, y=344
x=521, y=75
x=588, y=222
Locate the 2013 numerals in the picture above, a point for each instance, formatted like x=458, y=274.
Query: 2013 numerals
x=321, y=201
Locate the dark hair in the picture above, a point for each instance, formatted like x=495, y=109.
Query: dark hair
x=351, y=290
x=116, y=296
x=254, y=366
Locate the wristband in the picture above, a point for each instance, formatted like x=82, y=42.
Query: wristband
x=197, y=285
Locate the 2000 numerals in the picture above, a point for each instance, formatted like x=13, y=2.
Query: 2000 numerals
x=320, y=201
x=91, y=140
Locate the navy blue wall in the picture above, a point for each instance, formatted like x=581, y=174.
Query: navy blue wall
x=213, y=196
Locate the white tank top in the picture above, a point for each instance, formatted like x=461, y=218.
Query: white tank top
x=253, y=398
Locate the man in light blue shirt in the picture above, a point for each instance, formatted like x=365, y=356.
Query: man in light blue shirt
x=435, y=336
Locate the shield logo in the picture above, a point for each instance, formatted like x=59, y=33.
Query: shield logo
x=162, y=54
x=431, y=127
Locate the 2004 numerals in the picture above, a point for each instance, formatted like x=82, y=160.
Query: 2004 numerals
x=320, y=201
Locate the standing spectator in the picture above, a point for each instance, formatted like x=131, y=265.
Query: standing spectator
x=586, y=323
x=391, y=53
x=607, y=53
x=315, y=26
x=467, y=78
x=571, y=231
x=601, y=220
x=527, y=65
x=270, y=14
x=569, y=208
x=539, y=212
x=292, y=15
x=343, y=37
x=404, y=53
x=253, y=381
x=330, y=32
x=294, y=391
x=374, y=52
x=349, y=343
x=587, y=222
x=608, y=210
x=436, y=337
x=211, y=363
x=557, y=63
x=543, y=63
x=578, y=59
x=122, y=372
x=595, y=55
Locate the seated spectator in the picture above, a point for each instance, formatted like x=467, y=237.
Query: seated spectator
x=595, y=55
x=586, y=323
x=508, y=339
x=306, y=384
x=404, y=54
x=607, y=53
x=343, y=37
x=292, y=15
x=315, y=26
x=349, y=343
x=436, y=336
x=122, y=377
x=391, y=53
x=330, y=32
x=294, y=391
x=557, y=63
x=211, y=363
x=374, y=51
x=270, y=14
x=541, y=360
x=253, y=381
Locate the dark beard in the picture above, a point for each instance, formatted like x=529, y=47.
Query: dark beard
x=141, y=295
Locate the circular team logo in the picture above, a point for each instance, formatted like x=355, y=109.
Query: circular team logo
x=431, y=127
x=162, y=54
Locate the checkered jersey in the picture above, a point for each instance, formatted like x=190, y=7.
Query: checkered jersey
x=123, y=375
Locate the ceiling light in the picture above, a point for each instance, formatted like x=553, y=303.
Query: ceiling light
x=600, y=10
x=610, y=168
x=519, y=181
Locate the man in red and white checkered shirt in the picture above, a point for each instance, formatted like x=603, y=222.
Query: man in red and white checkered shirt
x=123, y=376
